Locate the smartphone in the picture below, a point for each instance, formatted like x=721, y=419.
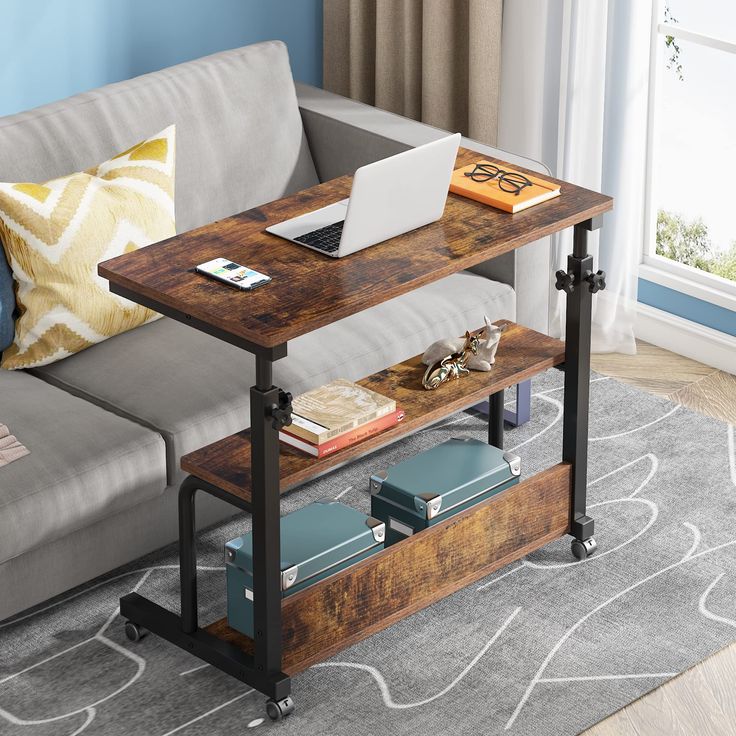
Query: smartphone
x=233, y=274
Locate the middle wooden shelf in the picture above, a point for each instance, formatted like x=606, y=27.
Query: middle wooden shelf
x=522, y=354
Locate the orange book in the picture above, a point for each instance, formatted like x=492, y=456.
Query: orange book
x=344, y=440
x=490, y=193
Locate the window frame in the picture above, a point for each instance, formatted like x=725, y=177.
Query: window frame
x=659, y=269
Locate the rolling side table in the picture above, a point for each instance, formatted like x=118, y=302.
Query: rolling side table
x=250, y=470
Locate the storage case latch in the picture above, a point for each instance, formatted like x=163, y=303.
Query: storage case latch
x=289, y=576
x=514, y=462
x=428, y=504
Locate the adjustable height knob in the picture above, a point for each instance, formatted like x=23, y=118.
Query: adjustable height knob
x=596, y=280
x=281, y=412
x=565, y=281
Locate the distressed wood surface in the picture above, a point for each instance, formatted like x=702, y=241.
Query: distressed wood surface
x=310, y=290
x=522, y=354
x=373, y=594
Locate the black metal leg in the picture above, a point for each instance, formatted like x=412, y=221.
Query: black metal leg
x=513, y=417
x=266, y=501
x=578, y=283
x=270, y=410
x=188, y=544
x=188, y=555
x=523, y=411
x=495, y=419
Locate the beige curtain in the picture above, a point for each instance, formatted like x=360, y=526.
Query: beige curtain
x=432, y=60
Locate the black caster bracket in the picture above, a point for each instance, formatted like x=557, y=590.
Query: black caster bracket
x=582, y=549
x=582, y=527
x=279, y=709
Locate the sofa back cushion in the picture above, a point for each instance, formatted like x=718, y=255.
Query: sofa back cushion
x=240, y=141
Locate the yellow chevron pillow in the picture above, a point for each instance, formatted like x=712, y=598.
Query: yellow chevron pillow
x=55, y=234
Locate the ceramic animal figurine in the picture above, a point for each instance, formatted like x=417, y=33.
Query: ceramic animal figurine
x=452, y=366
x=490, y=336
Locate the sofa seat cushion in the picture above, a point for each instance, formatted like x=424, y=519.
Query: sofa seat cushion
x=84, y=464
x=194, y=389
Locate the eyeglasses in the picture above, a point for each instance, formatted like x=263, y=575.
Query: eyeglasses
x=508, y=181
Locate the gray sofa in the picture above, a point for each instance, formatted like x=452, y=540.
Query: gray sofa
x=106, y=427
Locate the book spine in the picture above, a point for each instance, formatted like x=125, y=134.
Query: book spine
x=348, y=438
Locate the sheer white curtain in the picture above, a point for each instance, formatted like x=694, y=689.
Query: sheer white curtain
x=574, y=94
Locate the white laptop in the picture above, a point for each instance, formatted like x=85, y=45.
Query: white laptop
x=388, y=198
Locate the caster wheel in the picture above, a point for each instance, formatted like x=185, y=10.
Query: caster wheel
x=278, y=709
x=133, y=631
x=584, y=548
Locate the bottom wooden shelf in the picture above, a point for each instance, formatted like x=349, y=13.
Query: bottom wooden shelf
x=343, y=609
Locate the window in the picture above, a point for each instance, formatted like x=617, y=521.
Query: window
x=690, y=244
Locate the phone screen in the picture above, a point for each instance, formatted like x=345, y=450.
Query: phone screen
x=233, y=273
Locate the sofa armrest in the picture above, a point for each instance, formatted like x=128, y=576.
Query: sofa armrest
x=344, y=135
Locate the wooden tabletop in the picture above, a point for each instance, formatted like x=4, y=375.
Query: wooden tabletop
x=310, y=290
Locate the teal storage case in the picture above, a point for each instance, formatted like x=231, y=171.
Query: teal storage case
x=437, y=483
x=316, y=541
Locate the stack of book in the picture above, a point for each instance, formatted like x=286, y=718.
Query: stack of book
x=337, y=415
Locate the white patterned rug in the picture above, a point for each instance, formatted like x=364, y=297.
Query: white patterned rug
x=547, y=645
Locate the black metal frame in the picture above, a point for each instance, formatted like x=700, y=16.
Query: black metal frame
x=579, y=283
x=521, y=413
x=266, y=519
x=270, y=410
x=274, y=353
x=188, y=544
x=495, y=419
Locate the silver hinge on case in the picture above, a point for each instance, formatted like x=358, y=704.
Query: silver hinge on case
x=514, y=462
x=428, y=504
x=229, y=555
x=376, y=482
x=377, y=527
x=289, y=576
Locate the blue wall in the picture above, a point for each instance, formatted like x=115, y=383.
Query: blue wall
x=55, y=48
x=687, y=307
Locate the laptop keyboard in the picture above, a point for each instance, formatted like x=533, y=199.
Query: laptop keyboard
x=326, y=239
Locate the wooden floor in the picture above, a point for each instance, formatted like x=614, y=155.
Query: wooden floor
x=702, y=700
x=692, y=384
